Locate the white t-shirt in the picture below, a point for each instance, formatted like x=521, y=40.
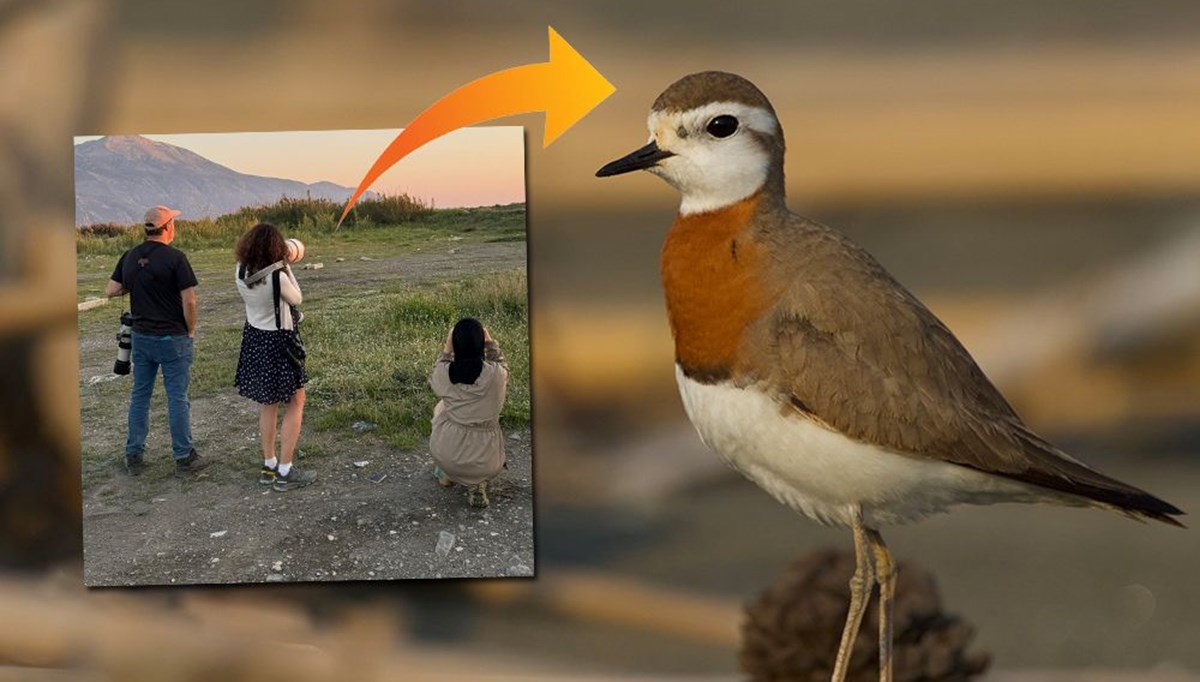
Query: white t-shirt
x=260, y=299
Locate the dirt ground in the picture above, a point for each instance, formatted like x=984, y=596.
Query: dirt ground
x=222, y=526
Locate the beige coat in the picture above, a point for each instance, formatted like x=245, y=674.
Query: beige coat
x=466, y=441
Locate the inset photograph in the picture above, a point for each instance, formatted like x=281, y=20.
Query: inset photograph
x=269, y=394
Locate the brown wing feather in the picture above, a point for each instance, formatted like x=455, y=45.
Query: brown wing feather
x=851, y=346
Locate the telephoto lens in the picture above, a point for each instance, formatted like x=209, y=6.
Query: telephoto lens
x=124, y=344
x=295, y=252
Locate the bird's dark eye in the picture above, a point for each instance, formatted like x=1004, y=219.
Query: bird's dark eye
x=722, y=126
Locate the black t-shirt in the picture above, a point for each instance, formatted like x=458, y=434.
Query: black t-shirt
x=154, y=274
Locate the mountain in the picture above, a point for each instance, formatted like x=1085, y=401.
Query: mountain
x=118, y=177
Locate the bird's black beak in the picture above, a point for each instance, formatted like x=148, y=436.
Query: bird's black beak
x=641, y=159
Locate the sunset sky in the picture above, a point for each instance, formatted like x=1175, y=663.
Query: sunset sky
x=469, y=167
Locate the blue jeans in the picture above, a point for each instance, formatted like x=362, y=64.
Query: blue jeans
x=174, y=355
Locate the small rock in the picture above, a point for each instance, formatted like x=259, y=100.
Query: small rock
x=453, y=251
x=391, y=532
x=218, y=534
x=362, y=427
x=313, y=266
x=445, y=543
x=514, y=436
x=331, y=537
x=277, y=566
x=339, y=260
x=102, y=379
x=158, y=499
x=213, y=560
x=362, y=463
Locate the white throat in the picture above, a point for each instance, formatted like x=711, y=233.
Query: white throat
x=712, y=173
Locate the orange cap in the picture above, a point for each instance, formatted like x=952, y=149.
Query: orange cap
x=159, y=216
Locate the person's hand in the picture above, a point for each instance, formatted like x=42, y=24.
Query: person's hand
x=487, y=335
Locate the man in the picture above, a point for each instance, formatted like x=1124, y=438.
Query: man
x=162, y=298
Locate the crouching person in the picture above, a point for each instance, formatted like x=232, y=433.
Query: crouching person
x=470, y=379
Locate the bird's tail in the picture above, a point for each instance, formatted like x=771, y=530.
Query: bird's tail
x=1161, y=511
x=1066, y=474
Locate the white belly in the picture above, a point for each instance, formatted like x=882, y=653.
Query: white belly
x=824, y=474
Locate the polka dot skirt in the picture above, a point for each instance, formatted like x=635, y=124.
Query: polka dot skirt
x=264, y=372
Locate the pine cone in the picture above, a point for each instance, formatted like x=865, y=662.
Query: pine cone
x=792, y=630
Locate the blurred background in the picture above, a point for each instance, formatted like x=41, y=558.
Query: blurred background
x=1029, y=169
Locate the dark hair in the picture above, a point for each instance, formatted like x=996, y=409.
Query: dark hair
x=467, y=341
x=155, y=231
x=259, y=247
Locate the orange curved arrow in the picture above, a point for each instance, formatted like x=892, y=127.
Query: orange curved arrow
x=567, y=87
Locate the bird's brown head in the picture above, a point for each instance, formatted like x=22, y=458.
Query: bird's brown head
x=714, y=136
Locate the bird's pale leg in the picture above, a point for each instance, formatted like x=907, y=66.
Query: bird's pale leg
x=885, y=574
x=860, y=593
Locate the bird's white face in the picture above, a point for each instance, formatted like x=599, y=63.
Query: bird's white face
x=716, y=160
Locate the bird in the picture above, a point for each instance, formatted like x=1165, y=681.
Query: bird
x=808, y=368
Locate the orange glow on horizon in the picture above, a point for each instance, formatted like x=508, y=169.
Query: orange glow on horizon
x=477, y=166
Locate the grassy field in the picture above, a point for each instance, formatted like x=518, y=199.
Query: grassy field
x=376, y=315
x=315, y=221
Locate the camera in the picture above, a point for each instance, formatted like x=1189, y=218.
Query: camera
x=124, y=344
x=295, y=249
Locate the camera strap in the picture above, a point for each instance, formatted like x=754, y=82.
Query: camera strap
x=275, y=296
x=260, y=275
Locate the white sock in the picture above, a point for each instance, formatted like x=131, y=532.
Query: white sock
x=285, y=468
x=271, y=463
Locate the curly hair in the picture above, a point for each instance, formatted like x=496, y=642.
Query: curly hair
x=260, y=246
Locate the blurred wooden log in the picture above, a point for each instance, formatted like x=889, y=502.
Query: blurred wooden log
x=14, y=674
x=62, y=42
x=130, y=635
x=91, y=304
x=1151, y=299
x=1092, y=675
x=603, y=353
x=56, y=630
x=623, y=602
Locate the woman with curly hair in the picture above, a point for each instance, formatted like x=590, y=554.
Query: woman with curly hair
x=470, y=379
x=270, y=368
